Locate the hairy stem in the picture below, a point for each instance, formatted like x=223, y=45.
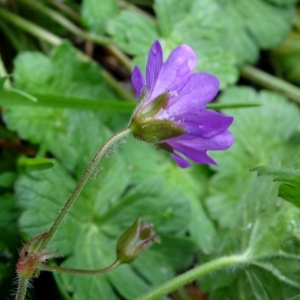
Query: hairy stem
x=189, y=276
x=22, y=288
x=271, y=82
x=80, y=271
x=82, y=181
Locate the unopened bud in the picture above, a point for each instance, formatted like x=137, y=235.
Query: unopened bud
x=135, y=240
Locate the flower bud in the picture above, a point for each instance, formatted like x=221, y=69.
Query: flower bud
x=134, y=240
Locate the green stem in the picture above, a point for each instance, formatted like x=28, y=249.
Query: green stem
x=3, y=73
x=194, y=274
x=80, y=271
x=132, y=7
x=55, y=40
x=30, y=27
x=60, y=19
x=297, y=20
x=117, y=87
x=22, y=288
x=271, y=82
x=12, y=36
x=82, y=181
x=65, y=9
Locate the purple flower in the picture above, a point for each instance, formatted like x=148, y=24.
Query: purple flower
x=171, y=112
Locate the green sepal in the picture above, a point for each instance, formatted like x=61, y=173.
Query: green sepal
x=155, y=131
x=152, y=108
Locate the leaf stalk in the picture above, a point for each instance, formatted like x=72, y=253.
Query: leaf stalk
x=194, y=274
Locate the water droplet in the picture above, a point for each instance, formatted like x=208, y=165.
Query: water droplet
x=192, y=63
x=183, y=70
x=173, y=93
x=155, y=48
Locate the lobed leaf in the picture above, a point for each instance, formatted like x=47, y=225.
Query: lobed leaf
x=106, y=206
x=251, y=217
x=289, y=190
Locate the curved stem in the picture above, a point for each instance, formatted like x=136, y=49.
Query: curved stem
x=194, y=274
x=82, y=181
x=65, y=9
x=30, y=27
x=80, y=271
x=63, y=21
x=266, y=80
x=54, y=40
x=22, y=288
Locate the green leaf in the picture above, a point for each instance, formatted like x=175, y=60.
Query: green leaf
x=290, y=190
x=34, y=164
x=134, y=33
x=168, y=15
x=196, y=26
x=250, y=216
x=66, y=73
x=192, y=185
x=101, y=213
x=106, y=206
x=231, y=105
x=290, y=193
x=2, y=81
x=286, y=175
x=256, y=283
x=95, y=14
x=252, y=25
x=260, y=134
x=11, y=98
x=224, y=34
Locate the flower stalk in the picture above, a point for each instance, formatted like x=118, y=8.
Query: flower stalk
x=51, y=268
x=22, y=288
x=33, y=256
x=82, y=181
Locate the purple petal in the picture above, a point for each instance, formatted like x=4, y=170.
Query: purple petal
x=218, y=142
x=182, y=163
x=154, y=64
x=205, y=123
x=197, y=156
x=175, y=71
x=138, y=81
x=200, y=89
